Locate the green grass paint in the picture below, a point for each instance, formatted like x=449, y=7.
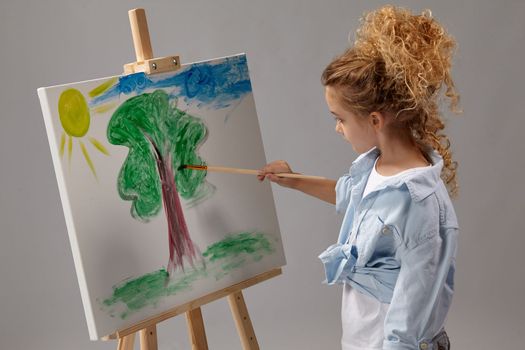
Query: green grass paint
x=233, y=252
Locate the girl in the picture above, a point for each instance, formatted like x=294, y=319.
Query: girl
x=395, y=254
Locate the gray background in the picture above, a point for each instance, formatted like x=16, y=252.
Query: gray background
x=288, y=43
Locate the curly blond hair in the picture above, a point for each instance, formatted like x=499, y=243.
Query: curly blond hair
x=400, y=63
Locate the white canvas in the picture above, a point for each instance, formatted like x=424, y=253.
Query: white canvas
x=124, y=268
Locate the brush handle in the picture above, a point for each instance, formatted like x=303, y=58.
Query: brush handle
x=256, y=172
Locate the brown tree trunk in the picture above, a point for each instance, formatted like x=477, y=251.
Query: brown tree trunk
x=180, y=243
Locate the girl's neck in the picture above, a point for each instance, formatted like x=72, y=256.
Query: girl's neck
x=399, y=155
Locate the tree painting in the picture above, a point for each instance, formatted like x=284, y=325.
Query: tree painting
x=160, y=138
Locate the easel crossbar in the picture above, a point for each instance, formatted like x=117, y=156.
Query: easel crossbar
x=195, y=304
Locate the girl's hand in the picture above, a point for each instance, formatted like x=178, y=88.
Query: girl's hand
x=278, y=166
x=323, y=189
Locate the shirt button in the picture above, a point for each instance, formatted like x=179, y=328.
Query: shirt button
x=385, y=230
x=423, y=346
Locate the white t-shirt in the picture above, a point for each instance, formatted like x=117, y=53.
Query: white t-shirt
x=363, y=316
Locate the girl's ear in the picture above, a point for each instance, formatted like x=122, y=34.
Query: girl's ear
x=377, y=120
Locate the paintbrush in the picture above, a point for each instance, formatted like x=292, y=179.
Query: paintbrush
x=222, y=169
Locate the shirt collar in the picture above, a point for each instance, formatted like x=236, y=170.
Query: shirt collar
x=420, y=183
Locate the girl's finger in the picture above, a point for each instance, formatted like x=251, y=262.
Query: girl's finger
x=271, y=177
x=275, y=178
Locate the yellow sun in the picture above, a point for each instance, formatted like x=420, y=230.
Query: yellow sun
x=74, y=116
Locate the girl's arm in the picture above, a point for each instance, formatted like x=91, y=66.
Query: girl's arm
x=323, y=189
x=423, y=291
x=422, y=294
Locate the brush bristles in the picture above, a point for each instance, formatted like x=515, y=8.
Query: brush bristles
x=194, y=167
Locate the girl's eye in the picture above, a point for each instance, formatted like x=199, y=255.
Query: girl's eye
x=337, y=120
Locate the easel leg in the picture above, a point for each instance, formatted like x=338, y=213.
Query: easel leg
x=148, y=338
x=243, y=322
x=196, y=331
x=127, y=342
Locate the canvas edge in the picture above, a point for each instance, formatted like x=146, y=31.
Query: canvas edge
x=77, y=257
x=122, y=74
x=266, y=161
x=284, y=263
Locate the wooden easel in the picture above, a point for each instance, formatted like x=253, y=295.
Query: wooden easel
x=147, y=329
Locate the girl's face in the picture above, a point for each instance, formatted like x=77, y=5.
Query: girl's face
x=356, y=130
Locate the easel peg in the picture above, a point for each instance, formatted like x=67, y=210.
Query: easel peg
x=140, y=34
x=143, y=51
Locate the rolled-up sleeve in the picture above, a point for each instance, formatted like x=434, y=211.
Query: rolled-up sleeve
x=423, y=292
x=343, y=189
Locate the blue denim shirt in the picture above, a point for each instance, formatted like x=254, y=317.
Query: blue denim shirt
x=405, y=249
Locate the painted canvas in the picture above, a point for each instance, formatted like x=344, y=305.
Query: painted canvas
x=147, y=234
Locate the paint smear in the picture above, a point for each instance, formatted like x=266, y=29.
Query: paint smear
x=75, y=119
x=148, y=290
x=104, y=108
x=62, y=144
x=98, y=145
x=215, y=84
x=88, y=158
x=74, y=112
x=234, y=245
x=231, y=253
x=99, y=90
x=160, y=138
x=69, y=149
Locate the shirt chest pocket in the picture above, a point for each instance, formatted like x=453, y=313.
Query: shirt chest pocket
x=378, y=240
